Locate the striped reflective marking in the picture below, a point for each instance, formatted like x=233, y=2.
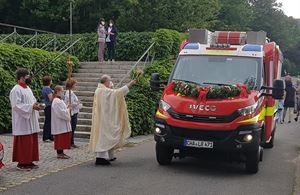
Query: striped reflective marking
x=269, y=111
x=160, y=115
x=220, y=52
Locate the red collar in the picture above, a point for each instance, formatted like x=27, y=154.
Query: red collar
x=22, y=85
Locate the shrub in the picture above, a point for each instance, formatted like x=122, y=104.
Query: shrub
x=167, y=43
x=130, y=45
x=142, y=102
x=13, y=57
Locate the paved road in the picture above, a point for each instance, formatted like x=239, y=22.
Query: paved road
x=136, y=172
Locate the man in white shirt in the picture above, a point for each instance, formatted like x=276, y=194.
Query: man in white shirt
x=25, y=125
x=110, y=123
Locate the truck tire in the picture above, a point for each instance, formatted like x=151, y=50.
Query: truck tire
x=252, y=161
x=164, y=154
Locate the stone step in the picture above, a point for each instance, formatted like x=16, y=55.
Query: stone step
x=81, y=128
x=84, y=99
x=108, y=63
x=86, y=109
x=90, y=89
x=96, y=75
x=80, y=121
x=82, y=134
x=85, y=113
x=87, y=79
x=85, y=93
x=87, y=104
x=87, y=84
x=103, y=71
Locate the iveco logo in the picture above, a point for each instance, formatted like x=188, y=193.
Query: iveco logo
x=202, y=107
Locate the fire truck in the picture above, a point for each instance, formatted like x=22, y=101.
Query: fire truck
x=221, y=98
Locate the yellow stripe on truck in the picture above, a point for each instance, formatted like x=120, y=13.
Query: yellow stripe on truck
x=269, y=111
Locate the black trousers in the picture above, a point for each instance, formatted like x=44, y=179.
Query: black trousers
x=111, y=50
x=47, y=125
x=73, y=125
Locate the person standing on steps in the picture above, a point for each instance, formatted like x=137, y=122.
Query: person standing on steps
x=111, y=40
x=289, y=101
x=61, y=123
x=25, y=124
x=101, y=40
x=110, y=122
x=47, y=94
x=75, y=105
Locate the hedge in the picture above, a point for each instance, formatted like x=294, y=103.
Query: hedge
x=130, y=45
x=142, y=102
x=13, y=57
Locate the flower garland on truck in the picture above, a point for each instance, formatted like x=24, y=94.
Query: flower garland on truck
x=182, y=88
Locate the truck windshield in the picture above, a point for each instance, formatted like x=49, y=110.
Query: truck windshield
x=218, y=70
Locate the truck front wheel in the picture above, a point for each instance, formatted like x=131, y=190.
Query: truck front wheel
x=252, y=160
x=164, y=154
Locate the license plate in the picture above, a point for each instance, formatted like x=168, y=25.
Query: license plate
x=198, y=144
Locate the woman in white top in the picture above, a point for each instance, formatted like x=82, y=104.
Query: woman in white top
x=60, y=123
x=74, y=104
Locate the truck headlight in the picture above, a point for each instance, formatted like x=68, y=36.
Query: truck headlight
x=163, y=105
x=248, y=110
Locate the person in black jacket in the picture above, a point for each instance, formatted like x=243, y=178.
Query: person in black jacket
x=111, y=40
x=289, y=101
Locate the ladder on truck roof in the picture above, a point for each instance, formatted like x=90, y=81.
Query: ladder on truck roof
x=203, y=36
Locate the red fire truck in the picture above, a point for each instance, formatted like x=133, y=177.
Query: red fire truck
x=221, y=98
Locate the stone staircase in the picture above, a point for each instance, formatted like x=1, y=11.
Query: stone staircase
x=88, y=77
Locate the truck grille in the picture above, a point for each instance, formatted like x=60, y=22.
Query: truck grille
x=206, y=119
x=199, y=134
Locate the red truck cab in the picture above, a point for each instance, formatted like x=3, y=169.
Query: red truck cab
x=220, y=98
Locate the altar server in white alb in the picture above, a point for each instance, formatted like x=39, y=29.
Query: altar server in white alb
x=25, y=124
x=110, y=123
x=61, y=123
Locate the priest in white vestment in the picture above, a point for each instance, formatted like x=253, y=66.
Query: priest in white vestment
x=110, y=122
x=25, y=124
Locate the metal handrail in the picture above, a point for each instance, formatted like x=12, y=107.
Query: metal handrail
x=56, y=57
x=134, y=66
x=34, y=37
x=25, y=28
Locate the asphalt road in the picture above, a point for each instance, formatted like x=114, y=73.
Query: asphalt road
x=136, y=172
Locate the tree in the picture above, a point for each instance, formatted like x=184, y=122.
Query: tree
x=235, y=15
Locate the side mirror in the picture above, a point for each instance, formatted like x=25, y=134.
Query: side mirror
x=155, y=82
x=278, y=89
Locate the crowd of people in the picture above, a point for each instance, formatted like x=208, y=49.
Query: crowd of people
x=110, y=123
x=290, y=105
x=107, y=36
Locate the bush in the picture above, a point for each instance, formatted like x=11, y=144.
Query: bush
x=7, y=82
x=167, y=43
x=130, y=45
x=142, y=102
x=13, y=57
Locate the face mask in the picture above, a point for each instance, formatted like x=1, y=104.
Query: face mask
x=110, y=25
x=103, y=23
x=62, y=95
x=28, y=81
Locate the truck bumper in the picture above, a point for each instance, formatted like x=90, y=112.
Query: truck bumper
x=223, y=141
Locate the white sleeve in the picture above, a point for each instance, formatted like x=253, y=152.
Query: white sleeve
x=61, y=111
x=125, y=89
x=25, y=110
